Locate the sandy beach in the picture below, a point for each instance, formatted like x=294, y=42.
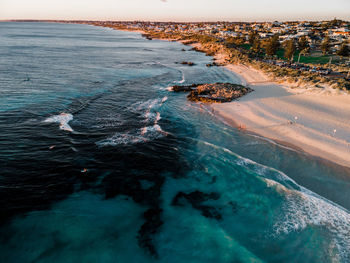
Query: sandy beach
x=313, y=120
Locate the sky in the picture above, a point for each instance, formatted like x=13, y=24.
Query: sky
x=176, y=10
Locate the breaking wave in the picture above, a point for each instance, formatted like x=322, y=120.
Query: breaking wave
x=304, y=209
x=63, y=119
x=151, y=131
x=301, y=208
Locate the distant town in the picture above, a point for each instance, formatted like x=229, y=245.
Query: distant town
x=304, y=43
x=337, y=30
x=306, y=46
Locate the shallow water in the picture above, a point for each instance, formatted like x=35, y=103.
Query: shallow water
x=101, y=163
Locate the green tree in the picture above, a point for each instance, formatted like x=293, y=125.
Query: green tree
x=325, y=45
x=272, y=45
x=289, y=49
x=343, y=50
x=303, y=43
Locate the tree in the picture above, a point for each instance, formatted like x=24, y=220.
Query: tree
x=272, y=45
x=325, y=45
x=256, y=48
x=239, y=40
x=303, y=43
x=335, y=22
x=252, y=36
x=230, y=42
x=289, y=49
x=343, y=50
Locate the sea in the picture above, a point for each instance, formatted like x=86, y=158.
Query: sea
x=101, y=162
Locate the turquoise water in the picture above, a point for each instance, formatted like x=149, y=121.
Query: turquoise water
x=101, y=163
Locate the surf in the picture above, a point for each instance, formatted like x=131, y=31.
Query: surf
x=63, y=120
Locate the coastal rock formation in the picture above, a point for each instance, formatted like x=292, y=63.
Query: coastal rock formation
x=214, y=64
x=189, y=63
x=147, y=36
x=217, y=92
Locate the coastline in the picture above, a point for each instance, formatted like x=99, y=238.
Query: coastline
x=313, y=122
x=105, y=152
x=310, y=120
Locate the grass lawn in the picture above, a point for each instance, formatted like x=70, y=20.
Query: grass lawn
x=317, y=59
x=246, y=46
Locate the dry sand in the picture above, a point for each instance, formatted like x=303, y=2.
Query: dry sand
x=316, y=121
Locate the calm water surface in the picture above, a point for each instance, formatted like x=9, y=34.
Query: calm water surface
x=99, y=162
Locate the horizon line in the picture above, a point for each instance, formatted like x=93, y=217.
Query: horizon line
x=164, y=21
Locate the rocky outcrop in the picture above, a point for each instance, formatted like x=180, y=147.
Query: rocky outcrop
x=214, y=64
x=213, y=93
x=187, y=88
x=189, y=63
x=147, y=36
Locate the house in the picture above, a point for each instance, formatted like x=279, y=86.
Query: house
x=277, y=30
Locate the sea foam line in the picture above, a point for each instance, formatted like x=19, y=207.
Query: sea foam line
x=302, y=207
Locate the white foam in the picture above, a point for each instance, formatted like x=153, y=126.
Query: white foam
x=149, y=116
x=157, y=117
x=164, y=99
x=63, y=119
x=145, y=134
x=153, y=132
x=262, y=170
x=147, y=108
x=122, y=139
x=170, y=88
x=301, y=208
x=182, y=79
x=145, y=105
x=304, y=209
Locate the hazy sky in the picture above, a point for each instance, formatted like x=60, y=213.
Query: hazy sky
x=176, y=10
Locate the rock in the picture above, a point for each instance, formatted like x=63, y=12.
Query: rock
x=217, y=92
x=214, y=64
x=147, y=36
x=197, y=50
x=187, y=63
x=187, y=88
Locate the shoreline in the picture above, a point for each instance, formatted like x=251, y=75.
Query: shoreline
x=277, y=111
x=304, y=119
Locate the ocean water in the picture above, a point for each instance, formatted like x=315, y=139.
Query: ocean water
x=100, y=162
